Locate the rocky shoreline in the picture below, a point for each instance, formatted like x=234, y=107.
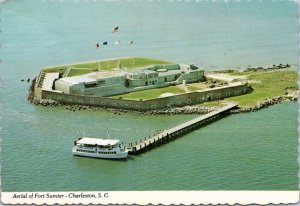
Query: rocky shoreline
x=267, y=68
x=170, y=111
x=274, y=67
x=264, y=104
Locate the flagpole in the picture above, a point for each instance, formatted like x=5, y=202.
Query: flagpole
x=116, y=29
x=132, y=62
x=119, y=48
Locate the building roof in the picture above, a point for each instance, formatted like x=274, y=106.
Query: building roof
x=169, y=72
x=105, y=74
x=95, y=141
x=77, y=79
x=141, y=71
x=92, y=77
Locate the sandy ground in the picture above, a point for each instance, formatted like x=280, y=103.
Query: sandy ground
x=166, y=94
x=226, y=77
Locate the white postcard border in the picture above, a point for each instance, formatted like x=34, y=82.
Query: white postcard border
x=152, y=197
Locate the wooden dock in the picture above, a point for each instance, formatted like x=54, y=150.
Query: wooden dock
x=167, y=135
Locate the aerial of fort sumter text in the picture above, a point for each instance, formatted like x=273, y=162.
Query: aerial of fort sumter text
x=202, y=95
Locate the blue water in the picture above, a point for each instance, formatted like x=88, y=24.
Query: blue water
x=255, y=151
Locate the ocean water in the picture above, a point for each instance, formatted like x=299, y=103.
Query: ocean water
x=253, y=151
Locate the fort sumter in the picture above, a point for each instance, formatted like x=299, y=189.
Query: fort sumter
x=111, y=84
x=149, y=85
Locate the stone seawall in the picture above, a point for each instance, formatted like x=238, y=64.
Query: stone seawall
x=181, y=100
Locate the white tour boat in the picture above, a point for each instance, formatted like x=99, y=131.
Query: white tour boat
x=99, y=148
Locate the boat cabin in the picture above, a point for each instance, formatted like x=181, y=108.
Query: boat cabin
x=99, y=143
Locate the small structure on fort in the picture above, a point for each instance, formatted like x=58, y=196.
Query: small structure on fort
x=121, y=80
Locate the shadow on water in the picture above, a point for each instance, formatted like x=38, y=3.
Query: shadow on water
x=130, y=157
x=116, y=160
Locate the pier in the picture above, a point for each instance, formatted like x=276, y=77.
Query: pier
x=167, y=135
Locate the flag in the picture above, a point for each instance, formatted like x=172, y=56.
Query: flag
x=116, y=29
x=104, y=43
x=117, y=42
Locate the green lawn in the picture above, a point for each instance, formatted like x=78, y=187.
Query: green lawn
x=79, y=71
x=129, y=63
x=151, y=93
x=155, y=93
x=266, y=85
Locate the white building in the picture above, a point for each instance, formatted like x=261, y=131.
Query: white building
x=108, y=83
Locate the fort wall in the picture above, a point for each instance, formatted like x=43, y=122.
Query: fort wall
x=152, y=104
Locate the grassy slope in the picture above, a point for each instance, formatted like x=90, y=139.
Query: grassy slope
x=196, y=86
x=129, y=63
x=266, y=85
x=155, y=93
